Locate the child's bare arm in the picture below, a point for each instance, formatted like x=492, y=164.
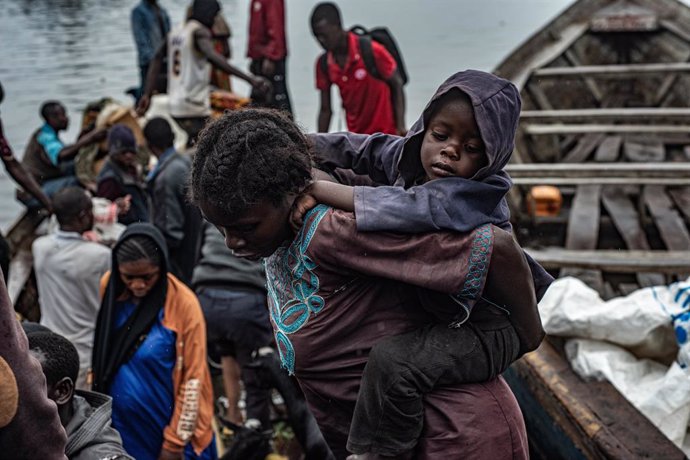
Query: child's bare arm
x=321, y=192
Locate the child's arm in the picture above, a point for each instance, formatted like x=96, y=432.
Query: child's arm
x=325, y=192
x=443, y=204
x=375, y=155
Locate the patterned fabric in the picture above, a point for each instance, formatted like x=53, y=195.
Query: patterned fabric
x=294, y=296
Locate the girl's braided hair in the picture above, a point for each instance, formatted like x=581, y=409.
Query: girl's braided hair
x=247, y=156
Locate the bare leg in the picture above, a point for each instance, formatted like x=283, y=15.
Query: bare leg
x=231, y=382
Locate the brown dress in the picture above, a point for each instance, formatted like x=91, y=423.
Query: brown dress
x=335, y=292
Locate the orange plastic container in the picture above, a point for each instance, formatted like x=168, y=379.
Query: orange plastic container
x=544, y=200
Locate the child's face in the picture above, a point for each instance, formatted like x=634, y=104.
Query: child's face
x=452, y=145
x=257, y=233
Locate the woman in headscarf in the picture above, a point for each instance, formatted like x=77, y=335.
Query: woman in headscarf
x=150, y=353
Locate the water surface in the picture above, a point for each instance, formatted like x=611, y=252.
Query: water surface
x=77, y=51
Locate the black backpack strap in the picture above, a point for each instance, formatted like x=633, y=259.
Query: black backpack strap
x=368, y=56
x=323, y=64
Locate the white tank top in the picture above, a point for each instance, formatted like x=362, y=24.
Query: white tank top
x=189, y=73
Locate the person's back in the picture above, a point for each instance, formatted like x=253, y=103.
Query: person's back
x=179, y=222
x=68, y=271
x=85, y=415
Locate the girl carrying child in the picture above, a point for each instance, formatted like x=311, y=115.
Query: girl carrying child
x=447, y=173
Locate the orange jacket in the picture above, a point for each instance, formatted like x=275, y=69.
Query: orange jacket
x=193, y=411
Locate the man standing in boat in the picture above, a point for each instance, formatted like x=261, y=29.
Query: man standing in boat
x=191, y=55
x=150, y=26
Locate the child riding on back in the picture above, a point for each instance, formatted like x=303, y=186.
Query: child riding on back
x=447, y=173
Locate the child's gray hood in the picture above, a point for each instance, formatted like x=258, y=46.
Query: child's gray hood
x=496, y=103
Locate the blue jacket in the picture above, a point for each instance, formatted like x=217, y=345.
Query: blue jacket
x=147, y=31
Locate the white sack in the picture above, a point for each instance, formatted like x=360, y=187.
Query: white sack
x=662, y=394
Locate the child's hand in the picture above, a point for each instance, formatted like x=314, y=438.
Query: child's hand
x=302, y=205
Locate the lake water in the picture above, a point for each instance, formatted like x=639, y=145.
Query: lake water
x=77, y=51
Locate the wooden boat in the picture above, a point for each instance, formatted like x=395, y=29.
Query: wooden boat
x=605, y=89
x=21, y=283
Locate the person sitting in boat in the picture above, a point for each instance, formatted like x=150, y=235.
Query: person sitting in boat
x=190, y=56
x=179, y=221
x=17, y=171
x=85, y=415
x=68, y=269
x=454, y=156
x=335, y=292
x=121, y=177
x=47, y=158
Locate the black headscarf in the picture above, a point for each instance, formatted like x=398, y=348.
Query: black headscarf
x=205, y=11
x=113, y=348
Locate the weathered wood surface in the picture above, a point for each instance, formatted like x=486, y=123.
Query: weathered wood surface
x=644, y=152
x=583, y=232
x=611, y=260
x=627, y=221
x=596, y=170
x=585, y=128
x=664, y=114
x=609, y=149
x=681, y=196
x=584, y=148
x=669, y=222
x=570, y=418
x=612, y=71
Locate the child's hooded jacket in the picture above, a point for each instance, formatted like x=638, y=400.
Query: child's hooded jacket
x=453, y=203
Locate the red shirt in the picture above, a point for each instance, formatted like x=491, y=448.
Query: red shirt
x=267, y=30
x=367, y=100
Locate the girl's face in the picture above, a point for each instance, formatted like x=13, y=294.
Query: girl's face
x=452, y=145
x=257, y=233
x=139, y=276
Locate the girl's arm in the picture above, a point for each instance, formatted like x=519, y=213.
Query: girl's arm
x=325, y=192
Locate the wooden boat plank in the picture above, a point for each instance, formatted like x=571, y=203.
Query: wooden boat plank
x=607, y=114
x=609, y=149
x=632, y=261
x=670, y=224
x=613, y=71
x=584, y=148
x=566, y=37
x=594, y=170
x=595, y=418
x=583, y=223
x=625, y=17
x=536, y=129
x=681, y=196
x=560, y=181
x=591, y=83
x=644, y=152
x=20, y=271
x=583, y=232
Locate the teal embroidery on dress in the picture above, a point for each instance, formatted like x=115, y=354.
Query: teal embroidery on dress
x=479, y=258
x=293, y=287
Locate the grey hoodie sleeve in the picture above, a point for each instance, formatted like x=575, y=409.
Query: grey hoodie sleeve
x=374, y=155
x=437, y=205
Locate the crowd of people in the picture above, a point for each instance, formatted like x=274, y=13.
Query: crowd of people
x=391, y=290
